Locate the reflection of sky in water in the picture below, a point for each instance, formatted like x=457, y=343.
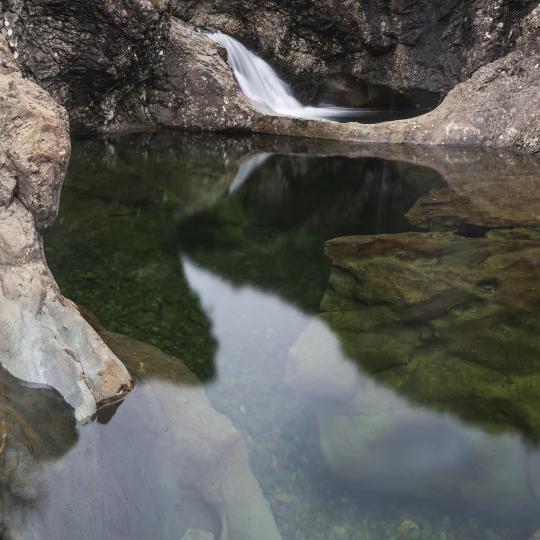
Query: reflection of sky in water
x=373, y=439
x=323, y=438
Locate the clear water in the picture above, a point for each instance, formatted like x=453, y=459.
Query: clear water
x=212, y=249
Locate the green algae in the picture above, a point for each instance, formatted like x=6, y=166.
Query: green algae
x=133, y=210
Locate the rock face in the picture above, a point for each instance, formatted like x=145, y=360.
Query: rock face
x=333, y=47
x=92, y=57
x=43, y=338
x=132, y=65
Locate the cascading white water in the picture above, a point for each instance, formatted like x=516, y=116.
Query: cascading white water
x=262, y=85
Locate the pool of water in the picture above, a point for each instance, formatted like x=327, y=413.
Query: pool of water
x=212, y=249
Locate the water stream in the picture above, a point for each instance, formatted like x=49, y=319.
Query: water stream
x=263, y=86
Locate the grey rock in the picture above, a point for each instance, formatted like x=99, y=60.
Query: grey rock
x=131, y=65
x=43, y=338
x=416, y=48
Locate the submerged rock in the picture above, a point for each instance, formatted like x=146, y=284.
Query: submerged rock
x=423, y=309
x=44, y=340
x=164, y=463
x=35, y=426
x=421, y=334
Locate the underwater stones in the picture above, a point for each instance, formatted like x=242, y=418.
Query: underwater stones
x=486, y=190
x=208, y=453
x=44, y=340
x=380, y=441
x=35, y=426
x=444, y=319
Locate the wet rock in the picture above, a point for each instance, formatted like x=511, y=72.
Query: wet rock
x=420, y=309
x=196, y=463
x=44, y=340
x=92, y=57
x=35, y=426
x=113, y=79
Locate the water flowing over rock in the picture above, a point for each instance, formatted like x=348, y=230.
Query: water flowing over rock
x=140, y=67
x=44, y=340
x=417, y=48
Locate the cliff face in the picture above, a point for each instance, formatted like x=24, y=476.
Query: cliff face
x=140, y=64
x=90, y=56
x=329, y=48
x=43, y=339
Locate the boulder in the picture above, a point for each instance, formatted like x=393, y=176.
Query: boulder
x=421, y=336
x=44, y=340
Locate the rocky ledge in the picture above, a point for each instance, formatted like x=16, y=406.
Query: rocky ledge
x=43, y=338
x=134, y=65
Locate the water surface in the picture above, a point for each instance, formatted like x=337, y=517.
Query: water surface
x=212, y=250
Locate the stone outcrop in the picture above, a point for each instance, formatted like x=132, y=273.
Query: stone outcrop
x=354, y=49
x=92, y=57
x=155, y=70
x=417, y=329
x=43, y=339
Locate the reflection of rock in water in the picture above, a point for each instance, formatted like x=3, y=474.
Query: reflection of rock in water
x=451, y=325
x=162, y=463
x=35, y=426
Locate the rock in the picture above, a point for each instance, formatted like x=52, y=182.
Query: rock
x=439, y=327
x=138, y=82
x=535, y=536
x=198, y=534
x=162, y=461
x=417, y=49
x=35, y=426
x=408, y=530
x=92, y=57
x=484, y=191
x=193, y=461
x=462, y=304
x=44, y=339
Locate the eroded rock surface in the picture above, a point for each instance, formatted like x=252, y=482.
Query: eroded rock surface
x=43, y=339
x=352, y=50
x=160, y=72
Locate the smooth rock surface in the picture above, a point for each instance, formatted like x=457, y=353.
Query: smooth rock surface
x=43, y=338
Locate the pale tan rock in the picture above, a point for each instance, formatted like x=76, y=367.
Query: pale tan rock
x=44, y=340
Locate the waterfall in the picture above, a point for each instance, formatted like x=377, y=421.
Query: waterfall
x=262, y=85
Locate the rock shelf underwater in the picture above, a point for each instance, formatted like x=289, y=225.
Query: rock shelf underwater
x=167, y=236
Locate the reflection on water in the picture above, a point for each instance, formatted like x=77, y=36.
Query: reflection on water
x=171, y=240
